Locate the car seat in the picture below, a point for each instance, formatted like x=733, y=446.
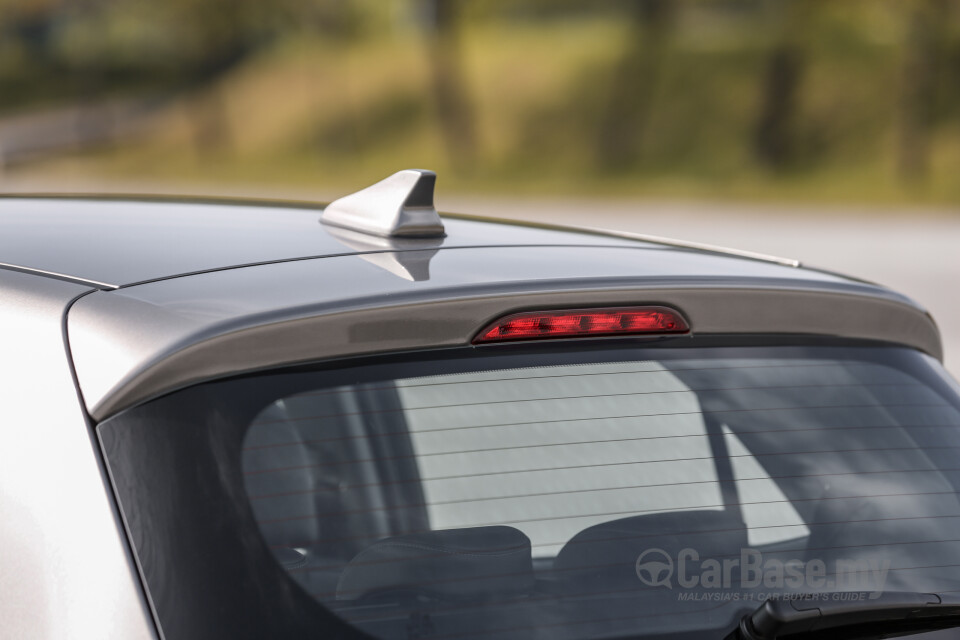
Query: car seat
x=605, y=557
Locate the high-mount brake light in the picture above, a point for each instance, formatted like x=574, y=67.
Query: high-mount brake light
x=579, y=323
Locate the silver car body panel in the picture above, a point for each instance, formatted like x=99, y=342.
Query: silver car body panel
x=111, y=243
x=64, y=567
x=138, y=342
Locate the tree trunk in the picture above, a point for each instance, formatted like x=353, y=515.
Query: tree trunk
x=453, y=104
x=923, y=52
x=775, y=134
x=624, y=123
x=211, y=125
x=776, y=138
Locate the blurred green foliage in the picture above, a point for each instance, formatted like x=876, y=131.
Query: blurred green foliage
x=857, y=99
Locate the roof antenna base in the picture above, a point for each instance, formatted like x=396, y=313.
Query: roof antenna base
x=400, y=206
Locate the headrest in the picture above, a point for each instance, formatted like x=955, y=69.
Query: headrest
x=453, y=563
x=607, y=553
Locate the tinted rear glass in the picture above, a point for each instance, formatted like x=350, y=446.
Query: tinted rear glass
x=590, y=493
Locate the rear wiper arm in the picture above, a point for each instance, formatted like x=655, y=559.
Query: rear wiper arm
x=850, y=616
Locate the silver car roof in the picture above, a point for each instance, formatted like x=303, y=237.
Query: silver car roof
x=111, y=242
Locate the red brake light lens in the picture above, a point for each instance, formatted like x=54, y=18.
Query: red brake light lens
x=538, y=325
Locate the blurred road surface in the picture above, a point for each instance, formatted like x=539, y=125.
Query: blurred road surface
x=914, y=252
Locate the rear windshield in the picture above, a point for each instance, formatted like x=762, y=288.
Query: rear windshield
x=594, y=492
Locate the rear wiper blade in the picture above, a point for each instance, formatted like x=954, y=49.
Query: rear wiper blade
x=849, y=615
